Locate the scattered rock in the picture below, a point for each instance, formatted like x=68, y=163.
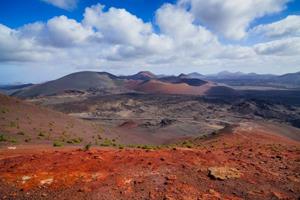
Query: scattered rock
x=46, y=181
x=223, y=173
x=166, y=122
x=167, y=197
x=25, y=178
x=97, y=157
x=44, y=195
x=171, y=177
x=278, y=195
x=84, y=189
x=11, y=148
x=214, y=193
x=279, y=157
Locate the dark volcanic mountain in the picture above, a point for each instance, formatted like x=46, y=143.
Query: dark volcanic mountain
x=142, y=82
x=81, y=81
x=291, y=79
x=193, y=75
x=143, y=75
x=180, y=79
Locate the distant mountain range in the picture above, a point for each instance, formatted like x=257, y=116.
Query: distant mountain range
x=291, y=80
x=147, y=82
x=10, y=89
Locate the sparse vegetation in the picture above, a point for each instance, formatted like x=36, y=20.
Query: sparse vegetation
x=41, y=134
x=107, y=143
x=12, y=124
x=87, y=147
x=4, y=110
x=75, y=140
x=148, y=147
x=58, y=143
x=13, y=140
x=20, y=133
x=187, y=144
x=2, y=138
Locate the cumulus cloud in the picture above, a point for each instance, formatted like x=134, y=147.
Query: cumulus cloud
x=287, y=27
x=282, y=47
x=64, y=4
x=191, y=39
x=231, y=18
x=115, y=39
x=117, y=25
x=15, y=48
x=58, y=31
x=181, y=27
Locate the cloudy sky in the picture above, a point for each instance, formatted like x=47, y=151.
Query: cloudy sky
x=45, y=39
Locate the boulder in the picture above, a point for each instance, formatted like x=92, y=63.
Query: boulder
x=223, y=173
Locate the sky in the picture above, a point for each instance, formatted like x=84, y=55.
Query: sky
x=41, y=40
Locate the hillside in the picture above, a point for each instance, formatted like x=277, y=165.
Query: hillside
x=76, y=81
x=245, y=161
x=23, y=122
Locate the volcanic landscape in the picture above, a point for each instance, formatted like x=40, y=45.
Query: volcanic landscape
x=95, y=135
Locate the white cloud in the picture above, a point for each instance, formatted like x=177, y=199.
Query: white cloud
x=129, y=33
x=194, y=40
x=114, y=39
x=231, y=18
x=181, y=26
x=58, y=32
x=15, y=48
x=281, y=47
x=64, y=4
x=117, y=25
x=289, y=26
x=188, y=39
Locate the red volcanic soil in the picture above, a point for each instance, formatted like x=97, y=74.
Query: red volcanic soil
x=255, y=163
x=155, y=86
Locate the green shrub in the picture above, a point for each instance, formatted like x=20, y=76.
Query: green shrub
x=12, y=124
x=148, y=147
x=87, y=147
x=4, y=110
x=21, y=133
x=187, y=144
x=41, y=134
x=75, y=141
x=2, y=138
x=107, y=143
x=13, y=140
x=58, y=143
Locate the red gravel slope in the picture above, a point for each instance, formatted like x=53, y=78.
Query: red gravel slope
x=256, y=164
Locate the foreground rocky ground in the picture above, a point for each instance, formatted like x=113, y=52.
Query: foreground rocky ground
x=244, y=162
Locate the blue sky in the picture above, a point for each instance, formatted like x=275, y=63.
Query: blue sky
x=34, y=10
x=16, y=13
x=44, y=39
